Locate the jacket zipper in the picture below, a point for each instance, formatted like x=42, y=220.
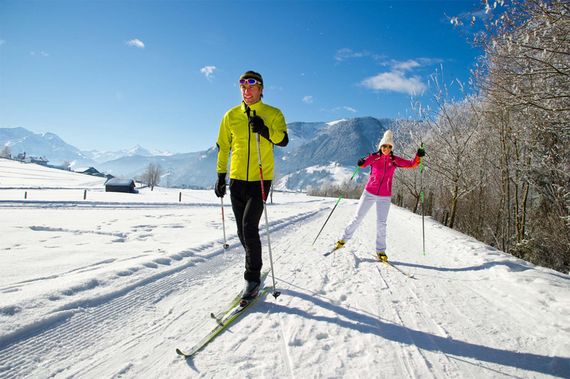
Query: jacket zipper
x=248, y=150
x=383, y=176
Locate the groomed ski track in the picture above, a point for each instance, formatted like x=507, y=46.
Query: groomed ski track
x=345, y=315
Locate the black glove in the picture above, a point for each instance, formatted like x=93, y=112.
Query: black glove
x=220, y=187
x=421, y=152
x=258, y=126
x=360, y=162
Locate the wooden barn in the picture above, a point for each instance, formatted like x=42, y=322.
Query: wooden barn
x=120, y=185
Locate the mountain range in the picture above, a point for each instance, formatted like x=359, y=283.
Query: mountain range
x=318, y=153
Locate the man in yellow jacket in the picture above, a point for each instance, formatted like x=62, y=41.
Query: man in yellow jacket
x=237, y=135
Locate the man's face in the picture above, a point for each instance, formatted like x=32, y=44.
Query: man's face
x=251, y=93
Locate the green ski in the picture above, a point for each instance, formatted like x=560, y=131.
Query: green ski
x=223, y=324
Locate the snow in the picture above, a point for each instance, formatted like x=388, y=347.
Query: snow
x=110, y=286
x=331, y=123
x=337, y=174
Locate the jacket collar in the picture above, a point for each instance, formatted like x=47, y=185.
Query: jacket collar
x=254, y=106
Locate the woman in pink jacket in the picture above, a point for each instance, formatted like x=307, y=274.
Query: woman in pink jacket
x=378, y=191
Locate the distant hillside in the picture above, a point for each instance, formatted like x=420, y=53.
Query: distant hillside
x=318, y=153
x=179, y=170
x=328, y=152
x=48, y=145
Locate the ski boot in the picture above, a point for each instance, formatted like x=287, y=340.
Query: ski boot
x=339, y=244
x=382, y=257
x=250, y=291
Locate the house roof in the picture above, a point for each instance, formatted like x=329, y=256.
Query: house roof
x=91, y=170
x=120, y=182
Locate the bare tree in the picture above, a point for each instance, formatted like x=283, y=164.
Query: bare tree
x=498, y=162
x=406, y=187
x=6, y=152
x=525, y=81
x=67, y=165
x=152, y=175
x=454, y=148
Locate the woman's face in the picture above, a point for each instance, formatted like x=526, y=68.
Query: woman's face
x=386, y=149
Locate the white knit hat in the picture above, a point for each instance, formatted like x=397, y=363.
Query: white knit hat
x=387, y=139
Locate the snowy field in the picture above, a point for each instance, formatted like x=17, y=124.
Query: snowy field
x=110, y=286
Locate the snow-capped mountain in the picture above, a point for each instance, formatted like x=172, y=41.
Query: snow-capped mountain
x=318, y=153
x=57, y=151
x=328, y=151
x=48, y=145
x=137, y=150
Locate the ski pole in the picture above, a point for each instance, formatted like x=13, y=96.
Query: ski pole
x=275, y=292
x=224, y=224
x=422, y=200
x=330, y=214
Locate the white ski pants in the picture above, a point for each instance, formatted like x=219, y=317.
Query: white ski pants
x=382, y=207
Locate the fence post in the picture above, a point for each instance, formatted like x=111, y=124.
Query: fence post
x=84, y=194
x=180, y=197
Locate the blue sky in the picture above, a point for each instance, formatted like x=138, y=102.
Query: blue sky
x=108, y=75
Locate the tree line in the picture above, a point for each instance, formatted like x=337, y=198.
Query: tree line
x=498, y=161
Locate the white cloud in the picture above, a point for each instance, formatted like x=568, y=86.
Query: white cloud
x=405, y=65
x=135, y=42
x=399, y=79
x=395, y=81
x=308, y=99
x=39, y=54
x=339, y=109
x=208, y=71
x=411, y=64
x=346, y=53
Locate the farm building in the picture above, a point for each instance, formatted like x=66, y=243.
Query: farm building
x=120, y=185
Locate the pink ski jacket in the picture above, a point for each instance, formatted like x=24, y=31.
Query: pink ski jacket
x=383, y=167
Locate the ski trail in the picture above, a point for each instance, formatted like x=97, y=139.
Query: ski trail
x=424, y=319
x=286, y=354
x=89, y=328
x=445, y=305
x=382, y=306
x=412, y=352
x=416, y=315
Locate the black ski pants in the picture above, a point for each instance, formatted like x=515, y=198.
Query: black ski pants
x=247, y=204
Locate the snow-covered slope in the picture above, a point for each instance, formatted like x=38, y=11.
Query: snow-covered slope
x=110, y=286
x=19, y=175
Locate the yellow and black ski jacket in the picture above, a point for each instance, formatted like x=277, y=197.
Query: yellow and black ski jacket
x=235, y=136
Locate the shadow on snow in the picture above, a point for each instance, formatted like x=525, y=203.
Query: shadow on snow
x=365, y=323
x=513, y=266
